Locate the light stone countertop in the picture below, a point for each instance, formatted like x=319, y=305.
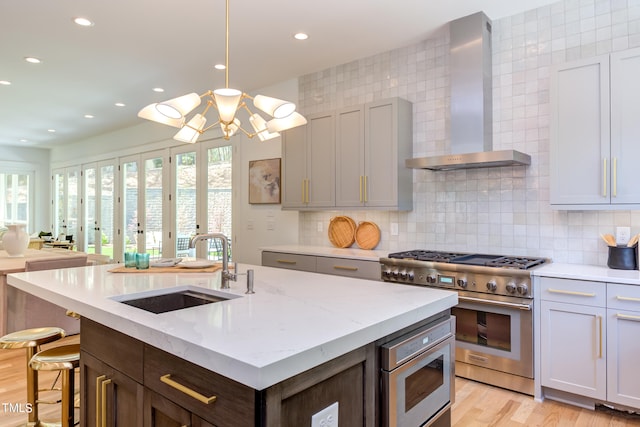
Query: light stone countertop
x=329, y=251
x=588, y=272
x=295, y=320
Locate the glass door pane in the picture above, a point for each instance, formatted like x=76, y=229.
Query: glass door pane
x=218, y=196
x=152, y=204
x=129, y=211
x=185, y=201
x=106, y=210
x=59, y=203
x=73, y=204
x=90, y=225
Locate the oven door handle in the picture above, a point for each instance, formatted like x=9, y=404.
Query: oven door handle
x=525, y=307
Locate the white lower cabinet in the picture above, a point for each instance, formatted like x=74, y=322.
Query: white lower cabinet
x=573, y=343
x=623, y=344
x=590, y=339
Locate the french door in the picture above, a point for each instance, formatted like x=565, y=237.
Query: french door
x=98, y=208
x=202, y=196
x=66, y=201
x=143, y=204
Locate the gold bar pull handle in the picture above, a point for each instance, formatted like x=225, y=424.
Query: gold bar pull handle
x=103, y=401
x=360, y=199
x=614, y=191
x=345, y=267
x=186, y=390
x=632, y=299
x=604, y=178
x=285, y=261
x=579, y=294
x=366, y=196
x=599, y=337
x=628, y=317
x=98, y=399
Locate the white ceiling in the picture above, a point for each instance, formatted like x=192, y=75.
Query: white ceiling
x=136, y=45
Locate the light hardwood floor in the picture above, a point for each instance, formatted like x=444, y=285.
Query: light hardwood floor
x=477, y=405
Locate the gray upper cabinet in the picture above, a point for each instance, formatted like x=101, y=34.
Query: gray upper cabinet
x=371, y=142
x=595, y=132
x=309, y=164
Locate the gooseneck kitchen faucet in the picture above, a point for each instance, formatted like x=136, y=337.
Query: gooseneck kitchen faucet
x=226, y=275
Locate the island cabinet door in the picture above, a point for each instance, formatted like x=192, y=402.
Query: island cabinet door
x=161, y=412
x=109, y=397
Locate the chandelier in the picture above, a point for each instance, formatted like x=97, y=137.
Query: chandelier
x=227, y=102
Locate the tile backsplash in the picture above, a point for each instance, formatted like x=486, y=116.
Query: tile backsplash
x=494, y=210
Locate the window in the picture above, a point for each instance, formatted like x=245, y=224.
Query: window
x=17, y=196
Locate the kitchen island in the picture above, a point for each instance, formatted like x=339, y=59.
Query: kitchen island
x=270, y=346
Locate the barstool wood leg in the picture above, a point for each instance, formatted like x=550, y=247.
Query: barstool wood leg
x=32, y=387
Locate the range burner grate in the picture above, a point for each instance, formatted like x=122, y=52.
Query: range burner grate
x=521, y=263
x=424, y=255
x=517, y=262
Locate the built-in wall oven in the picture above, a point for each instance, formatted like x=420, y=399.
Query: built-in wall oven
x=494, y=315
x=417, y=376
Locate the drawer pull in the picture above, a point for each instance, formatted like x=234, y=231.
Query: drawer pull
x=286, y=261
x=580, y=294
x=619, y=298
x=101, y=400
x=628, y=317
x=345, y=267
x=186, y=390
x=98, y=401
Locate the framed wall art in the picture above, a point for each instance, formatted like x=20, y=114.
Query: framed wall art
x=264, y=181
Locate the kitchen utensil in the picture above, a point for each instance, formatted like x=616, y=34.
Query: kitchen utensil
x=342, y=230
x=367, y=235
x=609, y=239
x=633, y=241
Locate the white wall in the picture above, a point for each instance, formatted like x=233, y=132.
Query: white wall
x=37, y=160
x=258, y=225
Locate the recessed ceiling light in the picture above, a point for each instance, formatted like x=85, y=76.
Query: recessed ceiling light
x=88, y=116
x=300, y=36
x=158, y=89
x=51, y=130
x=120, y=104
x=5, y=82
x=219, y=67
x=32, y=60
x=83, y=22
x=24, y=140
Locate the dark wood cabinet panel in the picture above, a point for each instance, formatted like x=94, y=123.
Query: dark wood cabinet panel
x=161, y=412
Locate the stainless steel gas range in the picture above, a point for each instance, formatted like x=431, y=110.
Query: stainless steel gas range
x=494, y=315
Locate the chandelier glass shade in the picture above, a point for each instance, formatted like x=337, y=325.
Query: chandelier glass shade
x=226, y=102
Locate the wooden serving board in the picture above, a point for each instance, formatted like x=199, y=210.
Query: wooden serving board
x=176, y=269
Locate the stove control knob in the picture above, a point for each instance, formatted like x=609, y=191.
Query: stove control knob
x=462, y=283
x=491, y=286
x=431, y=278
x=403, y=275
x=410, y=276
x=511, y=288
x=394, y=274
x=523, y=289
x=386, y=273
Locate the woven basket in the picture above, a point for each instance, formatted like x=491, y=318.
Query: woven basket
x=367, y=235
x=342, y=230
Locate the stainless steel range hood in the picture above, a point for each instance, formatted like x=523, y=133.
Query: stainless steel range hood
x=471, y=102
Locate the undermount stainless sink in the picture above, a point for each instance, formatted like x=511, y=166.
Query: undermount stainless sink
x=175, y=299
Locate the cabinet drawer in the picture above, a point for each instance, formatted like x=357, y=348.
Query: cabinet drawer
x=573, y=291
x=234, y=402
x=118, y=350
x=290, y=261
x=623, y=297
x=349, y=267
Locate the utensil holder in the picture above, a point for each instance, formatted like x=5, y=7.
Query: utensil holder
x=623, y=257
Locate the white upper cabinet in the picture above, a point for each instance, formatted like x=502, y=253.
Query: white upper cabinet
x=595, y=132
x=360, y=165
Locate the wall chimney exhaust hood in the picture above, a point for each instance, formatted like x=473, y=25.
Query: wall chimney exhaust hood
x=471, y=102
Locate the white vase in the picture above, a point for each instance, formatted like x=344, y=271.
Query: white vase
x=15, y=240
